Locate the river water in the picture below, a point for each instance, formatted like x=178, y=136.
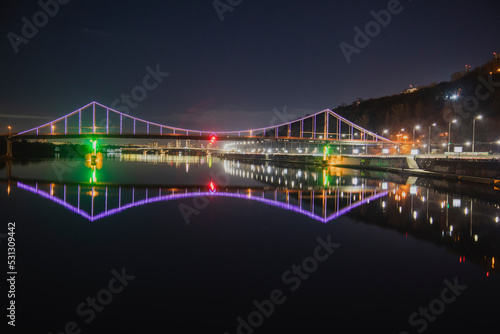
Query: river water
x=153, y=244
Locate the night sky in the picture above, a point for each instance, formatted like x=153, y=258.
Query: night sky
x=230, y=74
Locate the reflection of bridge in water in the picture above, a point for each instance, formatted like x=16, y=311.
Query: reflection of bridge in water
x=94, y=202
x=464, y=225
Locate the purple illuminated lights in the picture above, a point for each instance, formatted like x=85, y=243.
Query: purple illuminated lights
x=177, y=196
x=247, y=133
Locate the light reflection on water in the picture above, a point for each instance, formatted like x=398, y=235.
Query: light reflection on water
x=396, y=232
x=462, y=223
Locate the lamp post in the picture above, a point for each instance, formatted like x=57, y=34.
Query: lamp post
x=10, y=128
x=413, y=138
x=429, y=147
x=449, y=134
x=385, y=132
x=474, y=129
x=400, y=135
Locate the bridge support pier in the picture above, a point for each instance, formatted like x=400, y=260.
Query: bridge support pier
x=9, y=148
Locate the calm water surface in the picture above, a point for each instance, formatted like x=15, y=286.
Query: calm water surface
x=148, y=244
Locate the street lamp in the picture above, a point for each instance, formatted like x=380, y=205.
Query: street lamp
x=413, y=138
x=474, y=129
x=449, y=134
x=401, y=139
x=10, y=128
x=429, y=146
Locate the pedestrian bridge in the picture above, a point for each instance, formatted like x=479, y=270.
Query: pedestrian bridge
x=96, y=120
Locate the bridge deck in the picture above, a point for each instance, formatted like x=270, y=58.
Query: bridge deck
x=191, y=137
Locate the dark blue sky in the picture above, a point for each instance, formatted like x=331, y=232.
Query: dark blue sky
x=231, y=74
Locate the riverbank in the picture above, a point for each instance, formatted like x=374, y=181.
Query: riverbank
x=481, y=170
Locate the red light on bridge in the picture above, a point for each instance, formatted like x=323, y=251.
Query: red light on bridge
x=211, y=187
x=213, y=137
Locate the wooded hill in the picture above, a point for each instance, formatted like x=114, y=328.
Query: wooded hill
x=471, y=93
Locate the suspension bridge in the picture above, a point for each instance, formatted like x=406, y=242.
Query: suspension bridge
x=97, y=121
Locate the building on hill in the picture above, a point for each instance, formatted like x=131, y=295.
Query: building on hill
x=410, y=90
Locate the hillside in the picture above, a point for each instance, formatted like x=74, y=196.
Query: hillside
x=476, y=92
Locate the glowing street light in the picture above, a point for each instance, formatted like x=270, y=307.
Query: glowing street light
x=52, y=128
x=474, y=129
x=449, y=133
x=10, y=128
x=400, y=137
x=429, y=146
